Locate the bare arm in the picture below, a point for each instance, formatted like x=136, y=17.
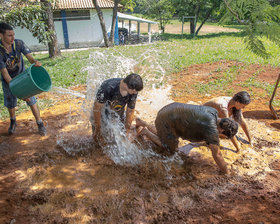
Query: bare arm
x=129, y=119
x=97, y=118
x=6, y=75
x=245, y=128
x=32, y=60
x=235, y=143
x=217, y=155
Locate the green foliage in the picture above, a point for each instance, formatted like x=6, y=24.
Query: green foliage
x=128, y=5
x=30, y=16
x=161, y=59
x=260, y=19
x=193, y=7
x=161, y=10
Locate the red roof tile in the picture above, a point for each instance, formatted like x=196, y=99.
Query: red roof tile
x=81, y=4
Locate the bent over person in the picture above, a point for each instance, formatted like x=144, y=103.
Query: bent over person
x=11, y=65
x=232, y=107
x=190, y=122
x=119, y=95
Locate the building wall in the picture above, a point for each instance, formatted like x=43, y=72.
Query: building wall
x=81, y=33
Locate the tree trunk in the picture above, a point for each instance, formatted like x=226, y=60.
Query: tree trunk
x=54, y=50
x=205, y=19
x=115, y=11
x=192, y=26
x=102, y=22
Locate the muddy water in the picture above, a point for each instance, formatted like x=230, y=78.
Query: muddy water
x=64, y=178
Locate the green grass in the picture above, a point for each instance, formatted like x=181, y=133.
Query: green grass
x=171, y=55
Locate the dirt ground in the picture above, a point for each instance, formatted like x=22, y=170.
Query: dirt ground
x=177, y=28
x=42, y=182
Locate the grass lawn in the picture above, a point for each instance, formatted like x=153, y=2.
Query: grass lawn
x=172, y=55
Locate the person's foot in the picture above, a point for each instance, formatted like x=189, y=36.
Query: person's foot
x=41, y=128
x=12, y=127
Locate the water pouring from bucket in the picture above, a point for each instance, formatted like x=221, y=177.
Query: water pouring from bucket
x=31, y=82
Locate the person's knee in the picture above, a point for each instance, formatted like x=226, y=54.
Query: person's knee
x=32, y=101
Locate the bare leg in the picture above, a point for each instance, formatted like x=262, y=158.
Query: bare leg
x=12, y=112
x=141, y=123
x=36, y=112
x=150, y=135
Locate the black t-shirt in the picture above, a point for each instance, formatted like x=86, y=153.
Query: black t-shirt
x=190, y=122
x=109, y=93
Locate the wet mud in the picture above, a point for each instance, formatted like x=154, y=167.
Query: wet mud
x=64, y=178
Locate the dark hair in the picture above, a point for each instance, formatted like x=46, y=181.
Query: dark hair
x=134, y=81
x=242, y=97
x=4, y=27
x=230, y=127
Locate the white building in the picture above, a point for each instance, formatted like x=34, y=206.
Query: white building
x=77, y=24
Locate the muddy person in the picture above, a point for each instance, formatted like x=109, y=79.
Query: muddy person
x=195, y=123
x=116, y=96
x=11, y=65
x=232, y=107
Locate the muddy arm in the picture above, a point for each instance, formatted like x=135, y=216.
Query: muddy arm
x=235, y=143
x=245, y=128
x=217, y=155
x=129, y=119
x=97, y=118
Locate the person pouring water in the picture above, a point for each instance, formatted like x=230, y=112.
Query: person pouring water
x=115, y=97
x=11, y=65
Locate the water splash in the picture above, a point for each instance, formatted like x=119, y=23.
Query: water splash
x=111, y=63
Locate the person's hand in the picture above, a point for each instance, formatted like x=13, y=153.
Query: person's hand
x=130, y=136
x=37, y=64
x=27, y=100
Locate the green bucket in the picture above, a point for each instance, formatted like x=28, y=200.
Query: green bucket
x=31, y=82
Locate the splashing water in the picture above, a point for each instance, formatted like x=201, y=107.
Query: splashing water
x=105, y=64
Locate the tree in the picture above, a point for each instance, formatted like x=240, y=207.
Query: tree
x=161, y=10
x=52, y=43
x=128, y=5
x=108, y=42
x=260, y=19
x=34, y=17
x=102, y=22
x=201, y=10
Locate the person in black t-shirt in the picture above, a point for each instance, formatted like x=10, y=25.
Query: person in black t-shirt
x=116, y=94
x=190, y=122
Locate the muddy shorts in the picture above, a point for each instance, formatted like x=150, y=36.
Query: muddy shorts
x=10, y=101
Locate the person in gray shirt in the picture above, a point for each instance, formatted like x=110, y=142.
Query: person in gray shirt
x=190, y=122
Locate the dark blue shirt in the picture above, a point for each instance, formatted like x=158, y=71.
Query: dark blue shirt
x=13, y=60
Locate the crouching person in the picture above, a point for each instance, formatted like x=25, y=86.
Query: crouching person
x=190, y=122
x=117, y=97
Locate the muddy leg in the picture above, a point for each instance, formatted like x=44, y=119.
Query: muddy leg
x=150, y=135
x=141, y=123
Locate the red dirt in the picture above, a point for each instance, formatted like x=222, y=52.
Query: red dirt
x=41, y=183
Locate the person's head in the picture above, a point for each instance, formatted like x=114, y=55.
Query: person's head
x=7, y=33
x=227, y=127
x=134, y=83
x=241, y=99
